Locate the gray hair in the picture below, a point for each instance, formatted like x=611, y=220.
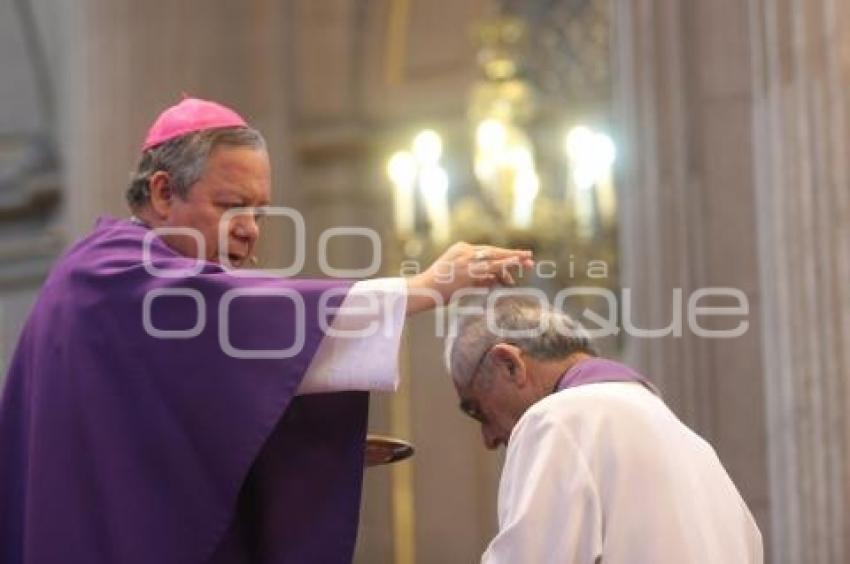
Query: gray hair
x=184, y=159
x=538, y=329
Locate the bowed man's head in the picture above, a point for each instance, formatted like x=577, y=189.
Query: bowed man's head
x=506, y=355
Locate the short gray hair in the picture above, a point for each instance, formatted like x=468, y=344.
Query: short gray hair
x=184, y=159
x=551, y=333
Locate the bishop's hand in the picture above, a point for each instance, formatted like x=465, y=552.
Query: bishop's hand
x=464, y=266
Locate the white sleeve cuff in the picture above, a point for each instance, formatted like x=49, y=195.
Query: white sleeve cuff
x=360, y=351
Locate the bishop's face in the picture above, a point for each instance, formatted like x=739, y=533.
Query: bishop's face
x=234, y=177
x=498, y=394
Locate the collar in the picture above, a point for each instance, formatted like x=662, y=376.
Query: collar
x=595, y=370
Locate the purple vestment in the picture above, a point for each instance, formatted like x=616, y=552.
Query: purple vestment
x=118, y=447
x=597, y=370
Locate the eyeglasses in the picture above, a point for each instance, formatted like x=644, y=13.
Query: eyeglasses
x=470, y=407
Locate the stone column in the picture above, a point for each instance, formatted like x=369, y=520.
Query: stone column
x=735, y=134
x=689, y=216
x=31, y=182
x=801, y=135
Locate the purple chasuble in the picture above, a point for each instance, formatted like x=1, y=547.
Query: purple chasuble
x=596, y=370
x=118, y=447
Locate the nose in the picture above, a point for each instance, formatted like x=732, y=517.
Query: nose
x=245, y=229
x=492, y=440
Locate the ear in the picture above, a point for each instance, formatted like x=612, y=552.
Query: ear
x=509, y=358
x=161, y=193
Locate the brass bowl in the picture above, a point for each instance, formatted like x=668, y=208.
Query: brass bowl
x=386, y=450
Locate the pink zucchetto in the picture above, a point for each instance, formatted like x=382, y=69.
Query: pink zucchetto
x=191, y=114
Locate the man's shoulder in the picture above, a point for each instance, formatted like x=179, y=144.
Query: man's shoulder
x=622, y=415
x=601, y=397
x=108, y=234
x=609, y=405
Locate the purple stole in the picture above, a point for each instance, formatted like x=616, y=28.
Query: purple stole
x=596, y=370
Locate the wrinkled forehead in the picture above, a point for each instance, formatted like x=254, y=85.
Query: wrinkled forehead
x=239, y=172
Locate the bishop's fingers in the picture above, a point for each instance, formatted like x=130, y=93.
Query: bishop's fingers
x=488, y=252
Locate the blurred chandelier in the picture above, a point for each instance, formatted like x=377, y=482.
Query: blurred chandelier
x=512, y=196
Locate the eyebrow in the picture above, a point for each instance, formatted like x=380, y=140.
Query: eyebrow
x=242, y=202
x=237, y=192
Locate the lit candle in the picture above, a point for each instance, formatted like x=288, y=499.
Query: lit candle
x=579, y=146
x=401, y=169
x=490, y=140
x=585, y=213
x=434, y=183
x=428, y=147
x=606, y=154
x=606, y=199
x=591, y=157
x=526, y=187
